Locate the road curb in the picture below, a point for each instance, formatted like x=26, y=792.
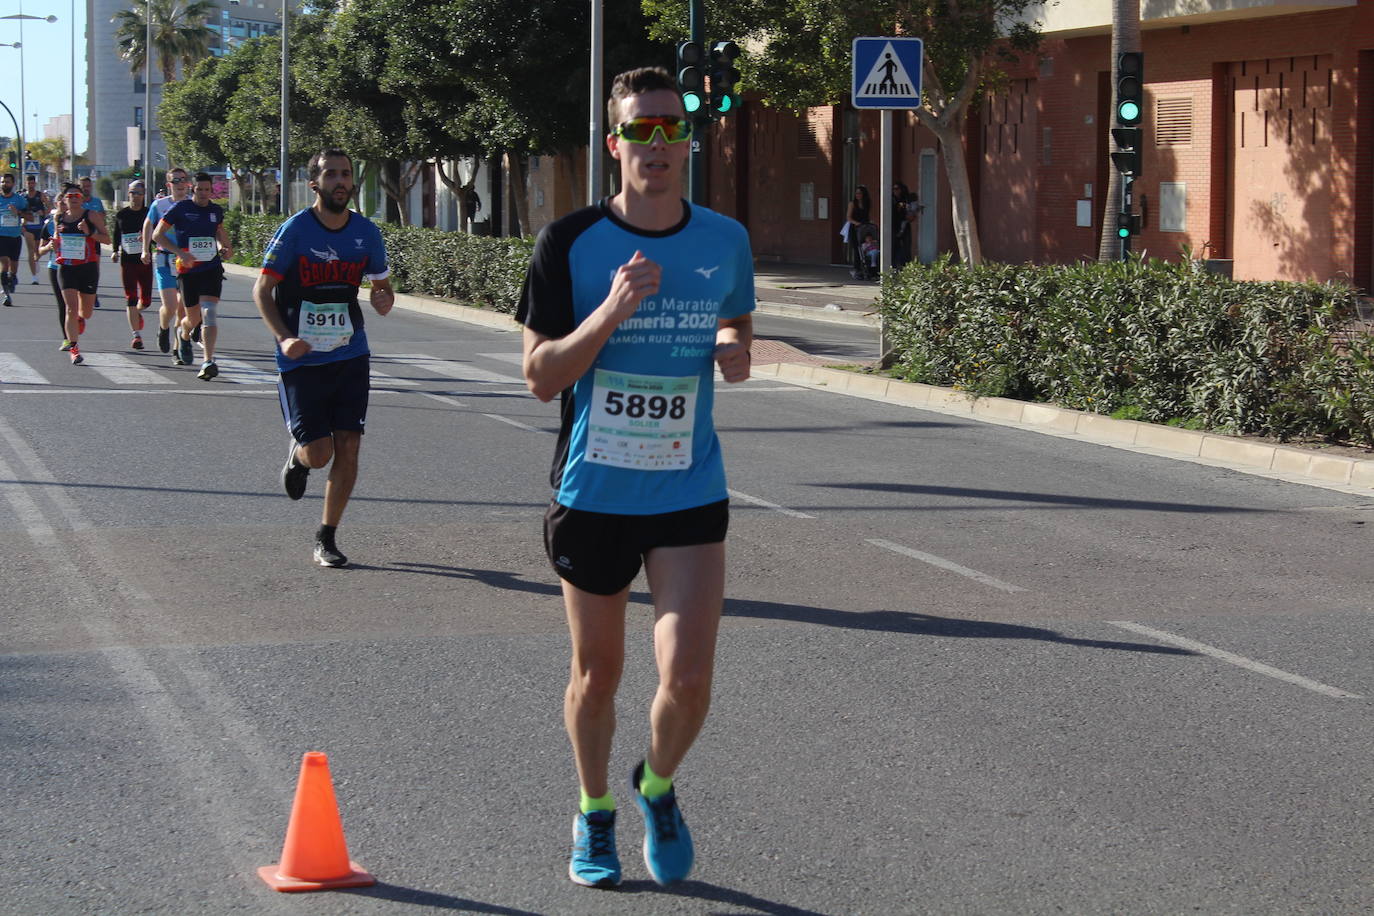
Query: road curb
x=1285, y=461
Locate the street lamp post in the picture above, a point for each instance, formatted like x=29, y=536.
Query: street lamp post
x=23, y=101
x=284, y=184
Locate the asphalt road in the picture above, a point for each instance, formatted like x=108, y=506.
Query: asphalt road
x=965, y=668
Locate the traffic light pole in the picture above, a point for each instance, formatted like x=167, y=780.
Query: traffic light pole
x=1126, y=201
x=696, y=169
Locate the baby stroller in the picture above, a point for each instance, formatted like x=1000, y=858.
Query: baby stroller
x=863, y=252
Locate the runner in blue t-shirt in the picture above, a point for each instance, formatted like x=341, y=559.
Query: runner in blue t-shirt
x=12, y=209
x=170, y=312
x=200, y=241
x=628, y=306
x=307, y=295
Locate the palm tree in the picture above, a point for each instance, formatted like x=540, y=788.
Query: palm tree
x=180, y=35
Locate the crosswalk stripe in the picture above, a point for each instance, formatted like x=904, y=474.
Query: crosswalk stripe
x=448, y=368
x=382, y=380
x=238, y=372
x=517, y=358
x=14, y=371
x=122, y=370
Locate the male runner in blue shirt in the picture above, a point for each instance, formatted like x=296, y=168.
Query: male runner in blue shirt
x=307, y=294
x=628, y=306
x=12, y=209
x=201, y=241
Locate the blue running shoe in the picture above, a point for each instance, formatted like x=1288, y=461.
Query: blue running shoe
x=667, y=841
x=594, y=860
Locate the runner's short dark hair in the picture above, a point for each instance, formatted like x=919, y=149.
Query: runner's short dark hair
x=636, y=82
x=317, y=161
x=204, y=176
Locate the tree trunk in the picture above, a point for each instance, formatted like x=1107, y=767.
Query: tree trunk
x=515, y=167
x=1125, y=37
x=460, y=191
x=961, y=194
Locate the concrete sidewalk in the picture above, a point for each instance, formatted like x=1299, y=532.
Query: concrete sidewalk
x=823, y=292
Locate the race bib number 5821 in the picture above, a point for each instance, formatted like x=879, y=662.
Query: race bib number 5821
x=642, y=421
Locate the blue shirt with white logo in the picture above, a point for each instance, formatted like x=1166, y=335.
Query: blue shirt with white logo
x=637, y=434
x=315, y=266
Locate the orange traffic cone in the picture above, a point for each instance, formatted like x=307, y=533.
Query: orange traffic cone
x=314, y=856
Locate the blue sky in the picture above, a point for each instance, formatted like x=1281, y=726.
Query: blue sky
x=47, y=58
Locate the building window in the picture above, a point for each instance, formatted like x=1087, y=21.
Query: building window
x=1045, y=146
x=808, y=200
x=138, y=116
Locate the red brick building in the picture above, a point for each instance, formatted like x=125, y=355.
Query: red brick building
x=1259, y=146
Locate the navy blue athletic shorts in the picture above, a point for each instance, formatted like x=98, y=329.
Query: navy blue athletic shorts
x=317, y=401
x=602, y=553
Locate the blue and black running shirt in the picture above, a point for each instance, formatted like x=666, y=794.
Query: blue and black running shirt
x=194, y=228
x=637, y=436
x=319, y=271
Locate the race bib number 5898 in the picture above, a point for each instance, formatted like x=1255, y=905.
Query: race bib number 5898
x=642, y=421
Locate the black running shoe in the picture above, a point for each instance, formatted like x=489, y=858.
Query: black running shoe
x=294, y=474
x=208, y=371
x=8, y=303
x=164, y=339
x=328, y=555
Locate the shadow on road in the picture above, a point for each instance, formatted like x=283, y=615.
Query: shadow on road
x=700, y=890
x=927, y=625
x=384, y=891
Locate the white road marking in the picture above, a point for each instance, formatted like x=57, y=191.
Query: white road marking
x=745, y=497
x=941, y=562
x=448, y=368
x=14, y=371
x=1239, y=660
x=443, y=400
x=122, y=370
x=516, y=423
x=517, y=358
x=382, y=380
x=238, y=372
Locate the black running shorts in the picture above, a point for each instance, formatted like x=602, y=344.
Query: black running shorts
x=11, y=246
x=206, y=283
x=602, y=553
x=318, y=400
x=84, y=278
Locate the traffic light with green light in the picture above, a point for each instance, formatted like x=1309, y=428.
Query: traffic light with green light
x=1130, y=88
x=1127, y=225
x=138, y=168
x=689, y=81
x=724, y=76
x=13, y=160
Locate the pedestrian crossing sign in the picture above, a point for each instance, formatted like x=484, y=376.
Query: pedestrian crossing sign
x=887, y=73
x=30, y=167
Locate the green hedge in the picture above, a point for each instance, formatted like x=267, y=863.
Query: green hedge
x=472, y=269
x=1142, y=340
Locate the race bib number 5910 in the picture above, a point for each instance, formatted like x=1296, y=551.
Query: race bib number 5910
x=642, y=421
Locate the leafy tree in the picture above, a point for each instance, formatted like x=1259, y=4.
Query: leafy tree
x=180, y=35
x=799, y=56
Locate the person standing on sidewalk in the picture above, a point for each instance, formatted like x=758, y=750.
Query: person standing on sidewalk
x=307, y=295
x=201, y=241
x=638, y=474
x=170, y=310
x=136, y=276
